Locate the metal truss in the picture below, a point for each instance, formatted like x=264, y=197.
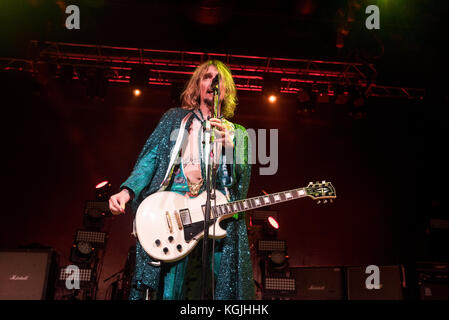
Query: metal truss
x=168, y=67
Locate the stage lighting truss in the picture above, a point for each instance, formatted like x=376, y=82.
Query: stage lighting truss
x=97, y=239
x=85, y=276
x=169, y=67
x=269, y=246
x=280, y=286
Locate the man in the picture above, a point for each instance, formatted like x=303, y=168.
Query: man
x=161, y=166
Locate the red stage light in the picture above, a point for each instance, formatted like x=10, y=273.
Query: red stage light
x=137, y=92
x=272, y=98
x=273, y=222
x=101, y=184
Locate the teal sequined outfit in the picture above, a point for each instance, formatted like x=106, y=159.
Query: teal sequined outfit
x=232, y=261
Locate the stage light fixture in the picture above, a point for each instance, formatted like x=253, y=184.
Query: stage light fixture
x=272, y=245
x=139, y=77
x=94, y=213
x=95, y=80
x=279, y=287
x=357, y=109
x=271, y=87
x=85, y=276
x=277, y=264
x=82, y=253
x=304, y=101
x=341, y=95
x=97, y=239
x=103, y=191
x=272, y=221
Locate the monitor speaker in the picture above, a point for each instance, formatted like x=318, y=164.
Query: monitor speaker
x=27, y=274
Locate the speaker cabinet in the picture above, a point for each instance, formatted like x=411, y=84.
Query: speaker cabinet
x=433, y=280
x=390, y=287
x=318, y=283
x=27, y=274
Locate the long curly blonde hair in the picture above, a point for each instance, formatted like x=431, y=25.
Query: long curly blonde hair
x=190, y=98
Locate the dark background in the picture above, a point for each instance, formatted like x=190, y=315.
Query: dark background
x=388, y=169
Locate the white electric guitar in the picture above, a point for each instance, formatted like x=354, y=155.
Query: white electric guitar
x=170, y=225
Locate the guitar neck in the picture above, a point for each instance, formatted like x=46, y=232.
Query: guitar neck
x=230, y=208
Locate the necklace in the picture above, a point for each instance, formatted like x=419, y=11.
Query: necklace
x=194, y=187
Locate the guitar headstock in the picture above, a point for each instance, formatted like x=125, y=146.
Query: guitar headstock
x=321, y=190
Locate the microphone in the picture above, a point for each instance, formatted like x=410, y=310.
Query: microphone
x=214, y=83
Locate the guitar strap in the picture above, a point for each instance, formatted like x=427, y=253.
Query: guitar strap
x=175, y=152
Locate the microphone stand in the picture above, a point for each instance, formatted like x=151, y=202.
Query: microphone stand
x=210, y=196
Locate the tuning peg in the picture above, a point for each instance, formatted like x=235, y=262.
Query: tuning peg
x=324, y=181
x=325, y=201
x=318, y=202
x=331, y=201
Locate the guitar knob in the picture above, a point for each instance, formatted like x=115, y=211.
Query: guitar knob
x=165, y=250
x=179, y=247
x=170, y=239
x=158, y=242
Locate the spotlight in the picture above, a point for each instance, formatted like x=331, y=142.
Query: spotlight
x=82, y=253
x=271, y=87
x=273, y=222
x=102, y=191
x=139, y=79
x=101, y=184
x=277, y=264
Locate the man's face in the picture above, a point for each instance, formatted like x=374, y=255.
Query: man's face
x=207, y=95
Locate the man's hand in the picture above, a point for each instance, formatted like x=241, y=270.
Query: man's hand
x=118, y=201
x=222, y=135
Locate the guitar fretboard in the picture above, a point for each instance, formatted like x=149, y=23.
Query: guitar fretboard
x=257, y=202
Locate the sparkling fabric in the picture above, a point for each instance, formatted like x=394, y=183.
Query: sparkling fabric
x=232, y=261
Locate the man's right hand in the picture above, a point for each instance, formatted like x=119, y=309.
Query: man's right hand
x=118, y=201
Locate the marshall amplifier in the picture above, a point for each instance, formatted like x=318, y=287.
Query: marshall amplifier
x=375, y=283
x=318, y=283
x=27, y=274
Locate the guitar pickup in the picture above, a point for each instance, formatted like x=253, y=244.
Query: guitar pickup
x=178, y=220
x=185, y=216
x=170, y=225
